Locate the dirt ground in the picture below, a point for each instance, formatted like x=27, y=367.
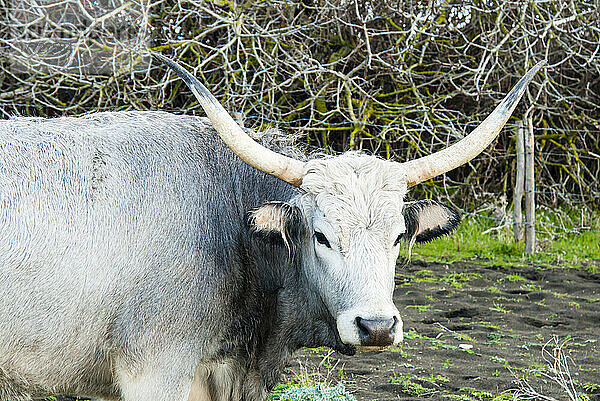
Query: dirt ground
x=472, y=330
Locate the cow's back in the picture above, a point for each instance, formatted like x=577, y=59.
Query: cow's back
x=115, y=229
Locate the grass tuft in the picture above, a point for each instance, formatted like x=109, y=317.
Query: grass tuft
x=318, y=392
x=474, y=240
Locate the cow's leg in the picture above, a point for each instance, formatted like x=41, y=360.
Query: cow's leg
x=217, y=382
x=169, y=381
x=226, y=381
x=200, y=390
x=156, y=386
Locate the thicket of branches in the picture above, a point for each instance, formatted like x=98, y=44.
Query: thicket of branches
x=400, y=78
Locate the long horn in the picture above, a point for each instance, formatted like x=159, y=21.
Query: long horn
x=246, y=148
x=462, y=152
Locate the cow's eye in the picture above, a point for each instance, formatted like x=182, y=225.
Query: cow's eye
x=321, y=239
x=398, y=240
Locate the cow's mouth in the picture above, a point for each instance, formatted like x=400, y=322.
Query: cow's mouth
x=341, y=347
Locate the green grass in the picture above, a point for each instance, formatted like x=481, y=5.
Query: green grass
x=305, y=387
x=318, y=392
x=553, y=245
x=411, y=384
x=457, y=280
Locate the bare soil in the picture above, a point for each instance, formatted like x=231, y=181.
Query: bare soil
x=471, y=329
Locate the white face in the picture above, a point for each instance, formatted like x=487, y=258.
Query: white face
x=355, y=203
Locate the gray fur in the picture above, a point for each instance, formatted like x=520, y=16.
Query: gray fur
x=129, y=268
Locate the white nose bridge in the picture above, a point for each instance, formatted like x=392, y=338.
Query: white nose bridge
x=372, y=270
x=371, y=289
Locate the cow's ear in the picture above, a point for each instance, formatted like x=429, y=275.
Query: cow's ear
x=277, y=218
x=426, y=220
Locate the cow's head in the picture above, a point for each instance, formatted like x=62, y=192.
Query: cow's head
x=354, y=220
x=353, y=214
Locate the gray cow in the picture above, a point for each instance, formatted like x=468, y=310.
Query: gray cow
x=151, y=256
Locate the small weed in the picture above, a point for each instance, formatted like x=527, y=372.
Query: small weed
x=495, y=338
x=531, y=287
x=507, y=395
x=447, y=364
x=403, y=354
x=515, y=277
x=411, y=384
x=478, y=394
x=534, y=369
x=412, y=334
x=409, y=387
x=490, y=325
x=593, y=300
x=591, y=387
x=420, y=308
x=583, y=396
x=439, y=378
x=499, y=308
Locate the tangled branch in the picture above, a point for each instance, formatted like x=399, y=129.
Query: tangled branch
x=400, y=78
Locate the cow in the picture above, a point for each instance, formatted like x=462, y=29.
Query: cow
x=153, y=256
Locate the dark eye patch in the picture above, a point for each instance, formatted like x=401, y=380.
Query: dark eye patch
x=321, y=239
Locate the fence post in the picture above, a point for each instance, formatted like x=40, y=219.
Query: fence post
x=519, y=182
x=529, y=189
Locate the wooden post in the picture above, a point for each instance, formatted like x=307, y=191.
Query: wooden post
x=529, y=189
x=519, y=182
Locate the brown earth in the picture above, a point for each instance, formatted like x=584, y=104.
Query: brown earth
x=473, y=328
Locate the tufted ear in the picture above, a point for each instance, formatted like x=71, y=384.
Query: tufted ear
x=278, y=218
x=427, y=220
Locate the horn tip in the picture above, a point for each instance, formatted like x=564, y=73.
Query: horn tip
x=196, y=87
x=518, y=89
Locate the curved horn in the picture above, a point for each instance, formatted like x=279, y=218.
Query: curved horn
x=430, y=166
x=246, y=148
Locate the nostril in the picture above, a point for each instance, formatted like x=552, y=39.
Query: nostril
x=363, y=331
x=376, y=332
